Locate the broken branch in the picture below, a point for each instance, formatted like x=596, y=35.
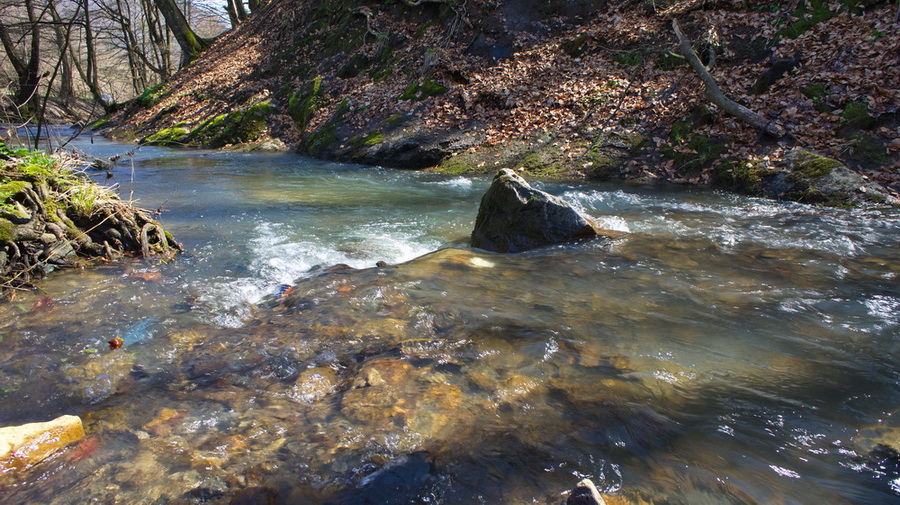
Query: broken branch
x=715, y=95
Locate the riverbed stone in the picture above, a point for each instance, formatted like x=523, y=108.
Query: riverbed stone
x=585, y=493
x=27, y=445
x=516, y=217
x=313, y=384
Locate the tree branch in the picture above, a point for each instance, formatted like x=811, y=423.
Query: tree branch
x=715, y=95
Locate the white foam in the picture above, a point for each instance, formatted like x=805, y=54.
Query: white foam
x=459, y=182
x=278, y=258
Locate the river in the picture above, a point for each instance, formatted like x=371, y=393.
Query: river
x=726, y=350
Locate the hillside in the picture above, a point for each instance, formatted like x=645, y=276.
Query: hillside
x=577, y=88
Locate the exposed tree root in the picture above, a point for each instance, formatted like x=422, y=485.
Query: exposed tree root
x=61, y=219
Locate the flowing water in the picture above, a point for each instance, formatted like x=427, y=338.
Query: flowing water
x=727, y=350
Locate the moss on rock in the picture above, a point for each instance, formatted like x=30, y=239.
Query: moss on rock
x=151, y=96
x=696, y=154
x=856, y=115
x=303, y=104
x=818, y=93
x=418, y=92
x=807, y=166
x=867, y=150
x=316, y=142
x=369, y=140
x=238, y=127
x=739, y=176
x=176, y=135
x=575, y=46
x=7, y=230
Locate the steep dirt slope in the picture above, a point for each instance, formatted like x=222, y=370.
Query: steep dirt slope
x=574, y=87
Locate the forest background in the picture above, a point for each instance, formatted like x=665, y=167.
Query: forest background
x=579, y=88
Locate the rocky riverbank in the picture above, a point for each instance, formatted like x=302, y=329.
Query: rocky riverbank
x=575, y=89
x=53, y=216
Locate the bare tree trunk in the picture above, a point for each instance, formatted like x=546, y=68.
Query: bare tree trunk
x=92, y=78
x=236, y=12
x=19, y=64
x=232, y=14
x=66, y=77
x=66, y=37
x=29, y=86
x=158, y=38
x=190, y=43
x=122, y=15
x=66, y=52
x=715, y=95
x=241, y=10
x=27, y=67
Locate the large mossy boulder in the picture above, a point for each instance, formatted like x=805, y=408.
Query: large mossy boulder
x=813, y=178
x=804, y=177
x=516, y=217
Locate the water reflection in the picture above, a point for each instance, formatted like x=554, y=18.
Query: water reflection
x=726, y=351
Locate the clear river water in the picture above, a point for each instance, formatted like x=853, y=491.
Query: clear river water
x=726, y=350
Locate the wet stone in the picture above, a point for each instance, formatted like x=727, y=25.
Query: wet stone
x=313, y=384
x=515, y=217
x=369, y=404
x=100, y=376
x=29, y=444
x=254, y=496
x=164, y=422
x=585, y=493
x=387, y=370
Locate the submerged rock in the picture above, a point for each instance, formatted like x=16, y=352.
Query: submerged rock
x=27, y=445
x=516, y=217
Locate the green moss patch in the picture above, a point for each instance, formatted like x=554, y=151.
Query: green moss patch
x=356, y=65
x=809, y=13
x=238, y=127
x=696, y=154
x=867, y=149
x=7, y=230
x=629, y=58
x=316, y=142
x=151, y=96
x=856, y=115
x=176, y=135
x=39, y=167
x=303, y=104
x=11, y=188
x=670, y=61
x=418, y=92
x=369, y=140
x=739, y=176
x=818, y=93
x=576, y=46
x=810, y=166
